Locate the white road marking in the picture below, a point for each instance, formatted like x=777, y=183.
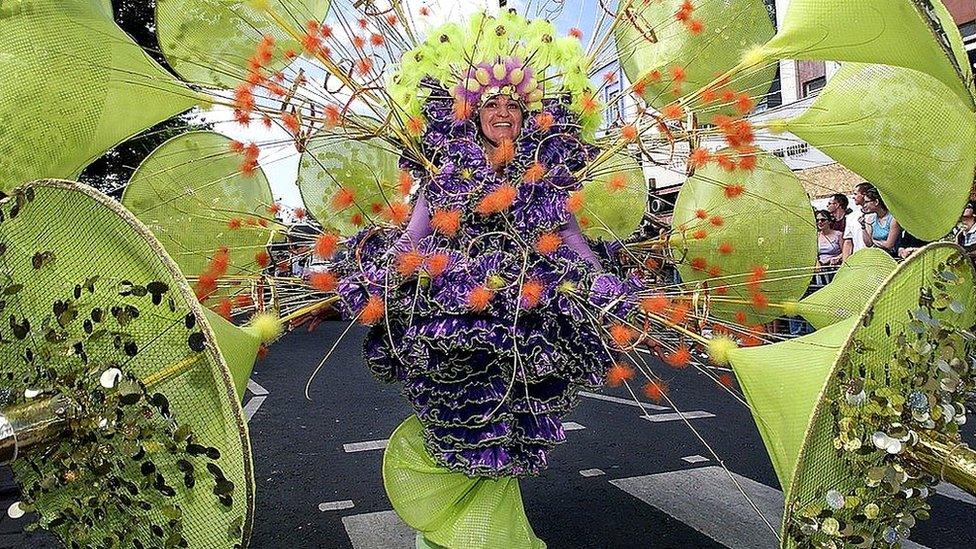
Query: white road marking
x=256, y=389
x=950, y=491
x=697, y=414
x=381, y=530
x=592, y=472
x=617, y=400
x=695, y=459
x=707, y=500
x=336, y=505
x=252, y=406
x=573, y=426
x=365, y=446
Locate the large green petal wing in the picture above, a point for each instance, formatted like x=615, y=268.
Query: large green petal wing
x=853, y=284
x=191, y=193
x=889, y=125
x=650, y=43
x=73, y=86
x=615, y=199
x=209, y=42
x=901, y=33
x=721, y=237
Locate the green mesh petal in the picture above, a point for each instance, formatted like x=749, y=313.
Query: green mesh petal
x=239, y=347
x=189, y=189
x=888, y=125
x=770, y=225
x=650, y=39
x=889, y=32
x=92, y=238
x=856, y=280
x=449, y=508
x=74, y=85
x=332, y=161
x=208, y=42
x=615, y=199
x=791, y=386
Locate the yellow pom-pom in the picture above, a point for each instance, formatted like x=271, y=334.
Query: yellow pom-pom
x=777, y=125
x=791, y=308
x=267, y=326
x=753, y=57
x=719, y=348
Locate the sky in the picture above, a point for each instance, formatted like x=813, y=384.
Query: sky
x=280, y=162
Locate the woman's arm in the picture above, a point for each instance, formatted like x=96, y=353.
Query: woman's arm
x=573, y=238
x=418, y=228
x=867, y=233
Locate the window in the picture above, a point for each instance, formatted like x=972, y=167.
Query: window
x=811, y=87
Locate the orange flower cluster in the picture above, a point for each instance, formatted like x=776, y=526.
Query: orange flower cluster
x=479, y=297
x=534, y=173
x=532, y=293
x=325, y=245
x=679, y=358
x=548, y=243
x=250, y=153
x=323, y=281
x=498, y=200
x=684, y=14
x=656, y=390
x=619, y=373
x=544, y=120
x=373, y=311
x=216, y=268
x=446, y=222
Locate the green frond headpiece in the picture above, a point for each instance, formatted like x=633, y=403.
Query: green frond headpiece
x=505, y=55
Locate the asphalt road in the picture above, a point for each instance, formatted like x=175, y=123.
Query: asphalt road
x=621, y=480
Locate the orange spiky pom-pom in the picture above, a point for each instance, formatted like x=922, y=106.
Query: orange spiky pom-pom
x=679, y=314
x=701, y=214
x=725, y=161
x=446, y=222
x=218, y=265
x=333, y=116
x=224, y=308
x=740, y=317
x=325, y=245
x=629, y=133
x=548, y=243
x=734, y=190
x=409, y=262
x=617, y=181
x=695, y=26
x=274, y=208
x=655, y=304
x=656, y=390
x=479, y=297
x=376, y=207
x=717, y=220
x=373, y=311
x=291, y=123
x=714, y=271
x=404, y=182
x=673, y=111
x=576, y=33
x=343, y=198
x=358, y=42
x=699, y=158
x=748, y=159
x=531, y=293
x=376, y=39
x=234, y=224
x=759, y=300
x=699, y=234
x=504, y=153
x=262, y=258
x=323, y=281
x=619, y=372
x=698, y=263
x=679, y=358
x=588, y=103
x=236, y=146
x=299, y=213
x=534, y=173
x=726, y=380
x=437, y=264
x=725, y=248
x=622, y=335
x=397, y=213
x=498, y=200
x=575, y=202
x=415, y=126
x=544, y=120
x=678, y=73
x=356, y=219
x=744, y=103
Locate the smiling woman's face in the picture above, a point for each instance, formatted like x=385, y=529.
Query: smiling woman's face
x=501, y=118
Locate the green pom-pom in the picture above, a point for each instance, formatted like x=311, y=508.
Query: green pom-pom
x=719, y=348
x=267, y=326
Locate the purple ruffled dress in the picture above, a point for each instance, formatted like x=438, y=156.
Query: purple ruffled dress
x=490, y=387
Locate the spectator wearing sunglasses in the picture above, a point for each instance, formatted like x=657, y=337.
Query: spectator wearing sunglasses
x=883, y=231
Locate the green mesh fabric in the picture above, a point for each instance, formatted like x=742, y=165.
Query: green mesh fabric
x=614, y=200
x=208, y=42
x=649, y=39
x=769, y=225
x=449, y=508
x=368, y=168
x=189, y=190
x=782, y=384
x=238, y=346
x=897, y=140
x=819, y=466
x=74, y=85
x=89, y=235
x=890, y=32
x=847, y=294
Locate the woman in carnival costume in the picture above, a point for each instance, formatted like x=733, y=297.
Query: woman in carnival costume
x=482, y=306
